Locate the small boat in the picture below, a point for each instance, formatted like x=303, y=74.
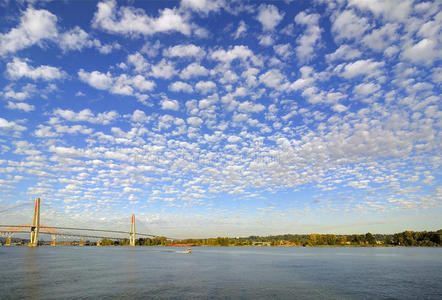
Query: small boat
x=188, y=250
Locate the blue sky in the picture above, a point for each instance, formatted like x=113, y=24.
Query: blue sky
x=230, y=118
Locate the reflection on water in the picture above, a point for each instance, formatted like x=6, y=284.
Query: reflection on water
x=131, y=269
x=247, y=273
x=31, y=283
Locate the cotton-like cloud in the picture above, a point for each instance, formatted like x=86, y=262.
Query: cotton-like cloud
x=203, y=6
x=35, y=26
x=193, y=70
x=169, y=104
x=240, y=31
x=393, y=10
x=237, y=52
x=20, y=106
x=250, y=107
x=194, y=121
x=269, y=16
x=75, y=39
x=307, y=42
x=139, y=116
x=7, y=127
x=425, y=52
x=380, y=39
x=366, y=67
x=188, y=50
x=164, y=69
x=179, y=86
x=138, y=61
x=96, y=79
x=347, y=25
x=121, y=85
x=86, y=115
x=132, y=21
x=365, y=89
x=272, y=78
x=344, y=52
x=19, y=68
x=205, y=87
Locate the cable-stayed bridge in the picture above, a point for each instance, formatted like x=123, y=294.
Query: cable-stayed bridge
x=35, y=229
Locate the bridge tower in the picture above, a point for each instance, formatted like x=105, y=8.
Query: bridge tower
x=35, y=224
x=132, y=232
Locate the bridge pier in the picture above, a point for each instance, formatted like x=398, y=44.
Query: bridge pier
x=132, y=232
x=53, y=241
x=35, y=224
x=8, y=241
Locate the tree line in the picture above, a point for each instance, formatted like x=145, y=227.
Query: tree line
x=406, y=238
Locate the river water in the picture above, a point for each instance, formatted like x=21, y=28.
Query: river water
x=220, y=273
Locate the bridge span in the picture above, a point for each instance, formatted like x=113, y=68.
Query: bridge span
x=58, y=231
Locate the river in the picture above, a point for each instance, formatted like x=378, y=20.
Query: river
x=220, y=273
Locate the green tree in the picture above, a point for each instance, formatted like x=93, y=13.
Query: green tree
x=369, y=238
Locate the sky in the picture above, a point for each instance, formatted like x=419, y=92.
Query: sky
x=222, y=118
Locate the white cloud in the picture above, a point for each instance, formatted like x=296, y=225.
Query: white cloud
x=96, y=79
x=164, y=69
x=74, y=39
x=250, y=107
x=121, y=85
x=344, y=52
x=396, y=10
x=35, y=26
x=266, y=40
x=305, y=80
x=339, y=108
x=205, y=87
x=27, y=91
x=193, y=70
x=234, y=139
x=240, y=31
x=133, y=21
x=77, y=39
x=20, y=106
x=141, y=83
x=269, y=16
x=425, y=52
x=366, y=67
x=283, y=50
x=347, y=25
x=138, y=61
x=168, y=104
x=188, y=50
x=272, y=78
x=86, y=115
x=380, y=39
x=139, y=116
x=237, y=52
x=179, y=86
x=194, y=121
x=203, y=6
x=7, y=127
x=19, y=68
x=307, y=42
x=365, y=89
x=75, y=129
